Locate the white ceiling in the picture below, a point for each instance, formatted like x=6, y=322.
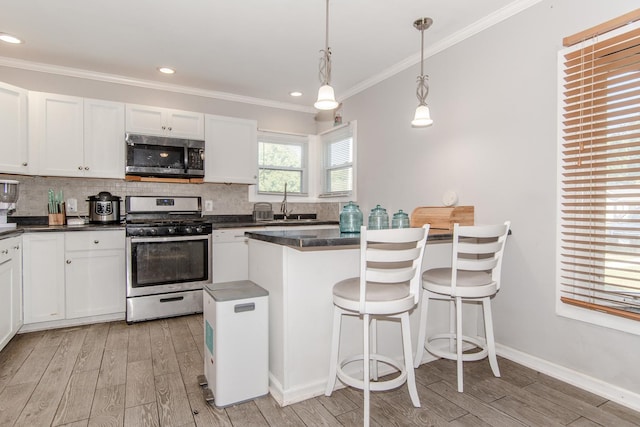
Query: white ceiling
x=252, y=50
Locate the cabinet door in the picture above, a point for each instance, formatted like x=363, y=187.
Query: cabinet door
x=95, y=273
x=10, y=295
x=185, y=124
x=43, y=276
x=56, y=134
x=103, y=139
x=230, y=254
x=231, y=150
x=145, y=120
x=13, y=130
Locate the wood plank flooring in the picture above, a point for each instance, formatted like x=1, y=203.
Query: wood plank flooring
x=114, y=374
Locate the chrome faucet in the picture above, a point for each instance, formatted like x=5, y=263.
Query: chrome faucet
x=283, y=207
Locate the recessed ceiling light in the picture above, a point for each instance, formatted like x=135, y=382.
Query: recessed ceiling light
x=166, y=70
x=295, y=93
x=8, y=38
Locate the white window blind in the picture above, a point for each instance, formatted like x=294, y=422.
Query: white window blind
x=338, y=149
x=600, y=174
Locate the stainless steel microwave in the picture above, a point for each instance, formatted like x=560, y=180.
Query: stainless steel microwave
x=149, y=155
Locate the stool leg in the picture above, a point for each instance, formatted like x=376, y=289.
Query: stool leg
x=335, y=347
x=366, y=364
x=491, y=344
x=374, y=347
x=408, y=363
x=458, y=303
x=422, y=329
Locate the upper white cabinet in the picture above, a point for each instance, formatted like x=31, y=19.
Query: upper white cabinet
x=231, y=150
x=104, y=147
x=77, y=137
x=13, y=130
x=164, y=122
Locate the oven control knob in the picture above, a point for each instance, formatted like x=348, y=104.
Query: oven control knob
x=153, y=231
x=140, y=231
x=171, y=230
x=188, y=230
x=198, y=229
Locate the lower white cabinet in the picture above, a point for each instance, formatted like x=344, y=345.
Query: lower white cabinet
x=10, y=289
x=43, y=276
x=94, y=273
x=71, y=275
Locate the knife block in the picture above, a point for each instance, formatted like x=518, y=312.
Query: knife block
x=58, y=218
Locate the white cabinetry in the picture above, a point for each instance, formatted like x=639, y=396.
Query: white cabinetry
x=43, y=278
x=73, y=275
x=94, y=273
x=13, y=130
x=77, y=137
x=164, y=122
x=231, y=250
x=231, y=150
x=231, y=254
x=10, y=289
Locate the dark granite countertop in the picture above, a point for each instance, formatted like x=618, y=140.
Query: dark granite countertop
x=322, y=238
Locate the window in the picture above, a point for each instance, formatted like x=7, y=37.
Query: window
x=338, y=161
x=282, y=158
x=599, y=178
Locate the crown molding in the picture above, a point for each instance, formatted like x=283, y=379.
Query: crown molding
x=478, y=26
x=148, y=84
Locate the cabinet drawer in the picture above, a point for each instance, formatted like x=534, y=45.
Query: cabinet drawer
x=94, y=240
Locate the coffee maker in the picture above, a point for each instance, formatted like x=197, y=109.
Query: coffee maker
x=8, y=199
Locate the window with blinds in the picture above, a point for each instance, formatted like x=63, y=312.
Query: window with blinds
x=599, y=235
x=338, y=164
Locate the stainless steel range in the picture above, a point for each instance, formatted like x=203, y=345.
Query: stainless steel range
x=168, y=256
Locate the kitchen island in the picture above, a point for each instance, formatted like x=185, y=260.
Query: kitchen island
x=299, y=269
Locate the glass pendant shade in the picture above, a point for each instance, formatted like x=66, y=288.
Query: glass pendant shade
x=422, y=117
x=326, y=98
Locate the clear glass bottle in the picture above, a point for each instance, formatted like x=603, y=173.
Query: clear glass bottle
x=400, y=220
x=378, y=218
x=350, y=218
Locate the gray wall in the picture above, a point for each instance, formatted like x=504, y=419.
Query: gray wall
x=494, y=103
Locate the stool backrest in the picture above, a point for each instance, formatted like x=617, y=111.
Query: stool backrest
x=479, y=248
x=392, y=256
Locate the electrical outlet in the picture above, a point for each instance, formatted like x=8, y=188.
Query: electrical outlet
x=72, y=206
x=208, y=205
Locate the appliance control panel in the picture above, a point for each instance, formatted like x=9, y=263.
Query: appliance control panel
x=169, y=230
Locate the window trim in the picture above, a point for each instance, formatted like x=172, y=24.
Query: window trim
x=564, y=309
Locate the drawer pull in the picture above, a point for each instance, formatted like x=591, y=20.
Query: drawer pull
x=68, y=261
x=172, y=299
x=96, y=241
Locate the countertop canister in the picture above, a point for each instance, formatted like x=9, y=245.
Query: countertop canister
x=378, y=218
x=350, y=218
x=400, y=220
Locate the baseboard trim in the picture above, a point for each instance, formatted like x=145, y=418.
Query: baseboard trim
x=614, y=393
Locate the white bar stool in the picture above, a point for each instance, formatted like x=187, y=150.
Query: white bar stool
x=388, y=287
x=473, y=276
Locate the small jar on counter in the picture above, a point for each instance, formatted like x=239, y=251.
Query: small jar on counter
x=378, y=218
x=400, y=220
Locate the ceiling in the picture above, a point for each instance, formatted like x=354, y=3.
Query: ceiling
x=250, y=50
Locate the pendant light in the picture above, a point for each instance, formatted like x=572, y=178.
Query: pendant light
x=326, y=96
x=422, y=117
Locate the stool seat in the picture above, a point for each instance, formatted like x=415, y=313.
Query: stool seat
x=388, y=288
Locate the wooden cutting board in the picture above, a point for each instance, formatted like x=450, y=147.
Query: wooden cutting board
x=442, y=217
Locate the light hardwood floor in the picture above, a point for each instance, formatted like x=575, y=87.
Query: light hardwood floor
x=114, y=374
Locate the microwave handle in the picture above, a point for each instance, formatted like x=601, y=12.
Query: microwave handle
x=186, y=158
